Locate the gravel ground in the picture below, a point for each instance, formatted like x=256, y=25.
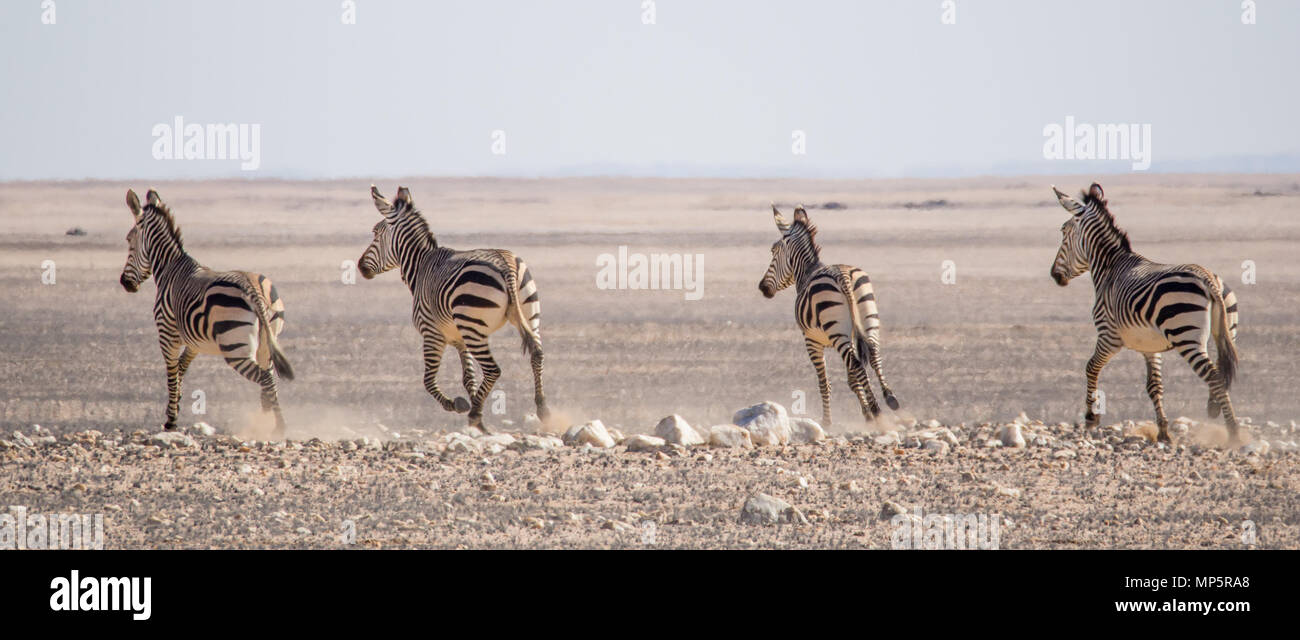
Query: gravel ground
x=1068, y=487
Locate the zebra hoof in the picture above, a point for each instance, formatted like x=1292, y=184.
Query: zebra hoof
x=892, y=402
x=1212, y=408
x=461, y=405
x=170, y=426
x=543, y=413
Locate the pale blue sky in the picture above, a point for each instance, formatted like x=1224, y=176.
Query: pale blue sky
x=584, y=88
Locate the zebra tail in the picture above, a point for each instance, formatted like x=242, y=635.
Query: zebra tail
x=532, y=342
x=1224, y=344
x=265, y=334
x=282, y=366
x=859, y=340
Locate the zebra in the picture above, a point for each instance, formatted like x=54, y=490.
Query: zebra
x=233, y=314
x=821, y=312
x=1148, y=307
x=459, y=299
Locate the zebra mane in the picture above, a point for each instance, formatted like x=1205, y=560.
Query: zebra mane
x=420, y=226
x=810, y=230
x=1107, y=218
x=172, y=229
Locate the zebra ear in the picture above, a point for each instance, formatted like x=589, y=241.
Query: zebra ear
x=800, y=215
x=381, y=203
x=781, y=224
x=153, y=199
x=1096, y=193
x=133, y=203
x=1070, y=204
x=404, y=200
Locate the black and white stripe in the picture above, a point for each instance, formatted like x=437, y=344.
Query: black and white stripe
x=460, y=298
x=232, y=314
x=1148, y=307
x=834, y=306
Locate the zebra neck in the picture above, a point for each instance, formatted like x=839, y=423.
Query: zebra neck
x=176, y=267
x=804, y=265
x=421, y=259
x=167, y=257
x=1108, y=259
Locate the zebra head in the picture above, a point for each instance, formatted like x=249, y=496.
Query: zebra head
x=138, y=268
x=795, y=247
x=1072, y=258
x=382, y=254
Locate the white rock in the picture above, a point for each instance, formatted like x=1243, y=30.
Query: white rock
x=806, y=431
x=203, y=428
x=593, y=433
x=939, y=447
x=766, y=422
x=762, y=509
x=23, y=440
x=676, y=430
x=932, y=424
x=890, y=439
x=461, y=443
x=643, y=443
x=496, y=443
x=536, y=443
x=172, y=439
x=730, y=436
x=1011, y=435
x=948, y=436
x=1256, y=447
x=616, y=435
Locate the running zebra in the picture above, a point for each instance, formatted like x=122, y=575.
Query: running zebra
x=232, y=314
x=834, y=306
x=460, y=298
x=1148, y=307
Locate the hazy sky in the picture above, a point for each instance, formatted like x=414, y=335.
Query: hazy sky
x=585, y=88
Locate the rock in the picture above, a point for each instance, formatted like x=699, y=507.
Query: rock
x=536, y=443
x=644, y=443
x=948, y=436
x=762, y=509
x=22, y=440
x=593, y=433
x=1255, y=447
x=939, y=447
x=496, y=443
x=806, y=431
x=730, y=436
x=766, y=422
x=203, y=428
x=932, y=424
x=171, y=439
x=460, y=443
x=616, y=435
x=890, y=509
x=1064, y=453
x=1011, y=435
x=889, y=439
x=675, y=430
x=302, y=531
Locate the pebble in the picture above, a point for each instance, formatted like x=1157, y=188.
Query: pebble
x=593, y=433
x=762, y=509
x=674, y=429
x=644, y=443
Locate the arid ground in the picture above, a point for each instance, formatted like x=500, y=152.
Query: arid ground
x=994, y=339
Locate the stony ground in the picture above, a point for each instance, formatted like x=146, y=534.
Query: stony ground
x=1066, y=487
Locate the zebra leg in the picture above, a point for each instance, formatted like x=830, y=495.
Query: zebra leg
x=1196, y=356
x=1156, y=390
x=490, y=374
x=539, y=396
x=264, y=377
x=858, y=381
x=173, y=356
x=817, y=353
x=434, y=345
x=468, y=376
x=873, y=347
x=1104, y=351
